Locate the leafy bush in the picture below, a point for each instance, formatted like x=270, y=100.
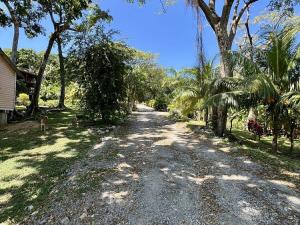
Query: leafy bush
x=177, y=115
x=73, y=95
x=101, y=67
x=48, y=104
x=23, y=99
x=49, y=91
x=161, y=103
x=150, y=103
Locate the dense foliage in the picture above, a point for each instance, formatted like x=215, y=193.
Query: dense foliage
x=259, y=82
x=101, y=67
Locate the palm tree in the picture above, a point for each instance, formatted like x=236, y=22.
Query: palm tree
x=264, y=82
x=192, y=89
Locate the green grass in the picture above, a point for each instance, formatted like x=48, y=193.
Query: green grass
x=196, y=123
x=32, y=162
x=285, y=165
x=261, y=149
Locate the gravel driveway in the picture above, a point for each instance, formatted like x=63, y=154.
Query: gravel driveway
x=154, y=171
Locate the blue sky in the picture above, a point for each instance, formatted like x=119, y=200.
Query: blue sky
x=171, y=35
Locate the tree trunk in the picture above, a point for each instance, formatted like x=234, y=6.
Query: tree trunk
x=225, y=45
x=14, y=49
x=14, y=18
x=206, y=116
x=275, y=134
x=275, y=141
x=214, y=119
x=231, y=123
x=35, y=99
x=292, y=125
x=222, y=120
x=61, y=103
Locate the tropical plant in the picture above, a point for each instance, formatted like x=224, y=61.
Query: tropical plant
x=255, y=84
x=63, y=14
x=192, y=89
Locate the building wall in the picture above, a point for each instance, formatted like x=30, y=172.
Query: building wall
x=7, y=86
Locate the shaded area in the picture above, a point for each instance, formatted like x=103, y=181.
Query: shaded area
x=284, y=164
x=32, y=162
x=153, y=171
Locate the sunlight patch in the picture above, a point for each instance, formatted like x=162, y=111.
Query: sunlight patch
x=222, y=165
x=252, y=185
x=119, y=182
x=165, y=170
x=251, y=211
x=294, y=200
x=144, y=119
x=235, y=177
x=199, y=180
x=134, y=176
x=114, y=197
x=5, y=198
x=121, y=155
x=225, y=149
x=177, y=176
x=98, y=146
x=284, y=183
x=291, y=174
x=165, y=142
x=123, y=166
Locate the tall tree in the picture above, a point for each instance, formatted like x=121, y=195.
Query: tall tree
x=225, y=31
x=61, y=103
x=63, y=14
x=93, y=16
x=20, y=14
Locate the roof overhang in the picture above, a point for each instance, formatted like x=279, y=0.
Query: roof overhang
x=8, y=61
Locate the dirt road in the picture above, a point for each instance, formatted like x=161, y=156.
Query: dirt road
x=154, y=171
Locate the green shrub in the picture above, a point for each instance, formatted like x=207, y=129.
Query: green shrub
x=23, y=99
x=48, y=104
x=177, y=115
x=73, y=96
x=161, y=103
x=151, y=103
x=49, y=91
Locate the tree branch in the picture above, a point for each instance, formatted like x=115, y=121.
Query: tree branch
x=226, y=11
x=212, y=4
x=52, y=18
x=235, y=11
x=210, y=14
x=163, y=6
x=248, y=29
x=236, y=21
x=11, y=12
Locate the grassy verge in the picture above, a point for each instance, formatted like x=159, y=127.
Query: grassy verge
x=32, y=162
x=284, y=165
x=284, y=158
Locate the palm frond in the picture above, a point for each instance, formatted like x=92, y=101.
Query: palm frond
x=291, y=99
x=226, y=84
x=231, y=99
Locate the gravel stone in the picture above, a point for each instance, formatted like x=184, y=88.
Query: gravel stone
x=152, y=170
